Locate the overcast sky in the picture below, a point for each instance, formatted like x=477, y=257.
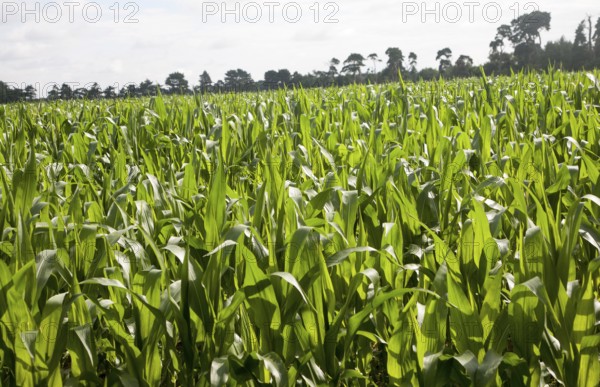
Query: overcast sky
x=150, y=39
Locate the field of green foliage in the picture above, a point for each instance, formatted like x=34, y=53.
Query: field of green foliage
x=437, y=233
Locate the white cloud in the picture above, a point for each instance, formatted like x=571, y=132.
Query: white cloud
x=172, y=36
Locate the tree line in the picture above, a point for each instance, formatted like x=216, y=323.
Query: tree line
x=516, y=46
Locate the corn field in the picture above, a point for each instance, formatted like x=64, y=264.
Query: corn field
x=433, y=233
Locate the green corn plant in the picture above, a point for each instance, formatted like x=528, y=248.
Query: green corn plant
x=429, y=233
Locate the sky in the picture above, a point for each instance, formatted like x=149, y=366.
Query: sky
x=117, y=42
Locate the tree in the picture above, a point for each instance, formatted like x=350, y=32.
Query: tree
x=205, y=82
x=321, y=78
x=66, y=92
x=504, y=32
x=54, y=93
x=333, y=63
x=526, y=38
x=94, y=92
x=29, y=93
x=109, y=92
x=271, y=79
x=80, y=93
x=296, y=78
x=412, y=62
x=394, y=62
x=9, y=94
x=277, y=78
x=3, y=92
x=219, y=85
x=129, y=90
x=177, y=83
x=464, y=60
x=500, y=63
x=284, y=76
x=444, y=56
x=580, y=39
x=581, y=53
x=590, y=34
x=374, y=58
x=596, y=39
x=494, y=44
x=463, y=66
x=147, y=88
x=560, y=54
x=428, y=74
x=238, y=79
x=353, y=64
x=333, y=71
x=526, y=28
x=529, y=55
